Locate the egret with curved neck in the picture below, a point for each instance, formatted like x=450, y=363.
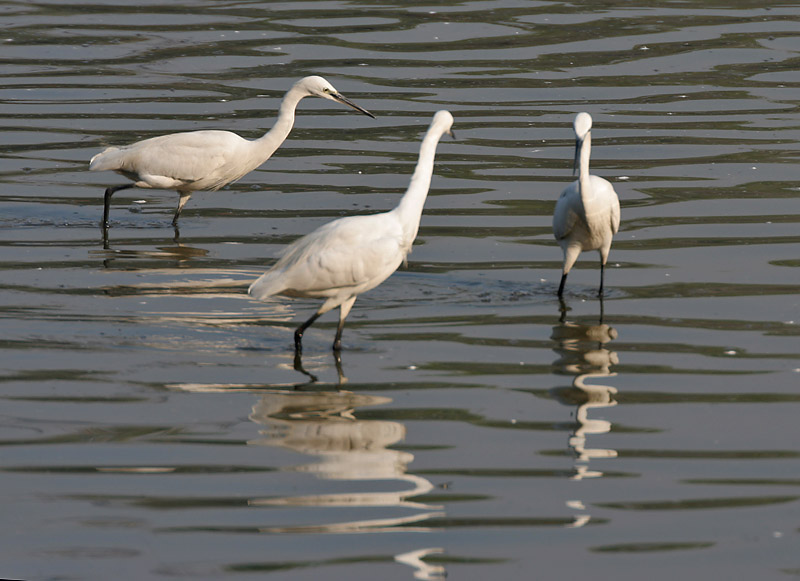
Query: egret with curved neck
x=587, y=212
x=205, y=160
x=344, y=258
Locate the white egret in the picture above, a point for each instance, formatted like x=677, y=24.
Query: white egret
x=344, y=258
x=205, y=160
x=587, y=212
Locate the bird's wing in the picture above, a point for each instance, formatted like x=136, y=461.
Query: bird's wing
x=351, y=252
x=187, y=157
x=615, y=213
x=566, y=215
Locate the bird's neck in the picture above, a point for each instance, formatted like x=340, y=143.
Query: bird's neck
x=409, y=210
x=272, y=139
x=583, y=176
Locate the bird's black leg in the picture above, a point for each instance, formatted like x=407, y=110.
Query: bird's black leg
x=344, y=310
x=561, y=286
x=337, y=341
x=298, y=334
x=181, y=204
x=107, y=200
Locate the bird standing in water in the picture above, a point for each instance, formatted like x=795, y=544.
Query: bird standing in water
x=587, y=212
x=205, y=160
x=344, y=258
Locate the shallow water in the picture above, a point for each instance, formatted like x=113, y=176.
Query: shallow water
x=155, y=421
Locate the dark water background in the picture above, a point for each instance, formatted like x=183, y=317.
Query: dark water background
x=151, y=426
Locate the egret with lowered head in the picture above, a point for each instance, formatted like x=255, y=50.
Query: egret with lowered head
x=344, y=258
x=587, y=212
x=205, y=160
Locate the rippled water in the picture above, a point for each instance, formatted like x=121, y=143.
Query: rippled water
x=154, y=421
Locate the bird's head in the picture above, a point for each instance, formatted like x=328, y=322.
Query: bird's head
x=444, y=120
x=316, y=86
x=582, y=126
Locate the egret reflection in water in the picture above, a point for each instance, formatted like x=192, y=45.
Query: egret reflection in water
x=178, y=253
x=422, y=570
x=324, y=424
x=321, y=420
x=583, y=354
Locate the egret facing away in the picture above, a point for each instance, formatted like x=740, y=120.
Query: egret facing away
x=587, y=212
x=205, y=160
x=344, y=258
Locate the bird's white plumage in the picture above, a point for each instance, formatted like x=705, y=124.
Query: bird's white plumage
x=342, y=258
x=587, y=213
x=198, y=160
x=346, y=257
x=207, y=160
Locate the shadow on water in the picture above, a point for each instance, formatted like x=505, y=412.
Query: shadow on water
x=583, y=354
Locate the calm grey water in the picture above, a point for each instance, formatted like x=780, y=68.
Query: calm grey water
x=154, y=423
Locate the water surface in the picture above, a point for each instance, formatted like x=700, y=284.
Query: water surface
x=155, y=420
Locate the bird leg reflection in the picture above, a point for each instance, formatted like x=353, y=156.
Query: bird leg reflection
x=298, y=366
x=602, y=272
x=602, y=310
x=563, y=309
x=337, y=361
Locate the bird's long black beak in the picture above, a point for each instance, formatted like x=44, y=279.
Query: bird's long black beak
x=577, y=159
x=344, y=100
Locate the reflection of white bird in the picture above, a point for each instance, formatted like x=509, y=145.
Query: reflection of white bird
x=587, y=212
x=346, y=257
x=205, y=160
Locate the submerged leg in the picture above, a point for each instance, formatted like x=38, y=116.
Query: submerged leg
x=298, y=334
x=337, y=360
x=184, y=198
x=107, y=200
x=344, y=310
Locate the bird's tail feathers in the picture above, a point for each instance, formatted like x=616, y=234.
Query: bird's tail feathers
x=266, y=285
